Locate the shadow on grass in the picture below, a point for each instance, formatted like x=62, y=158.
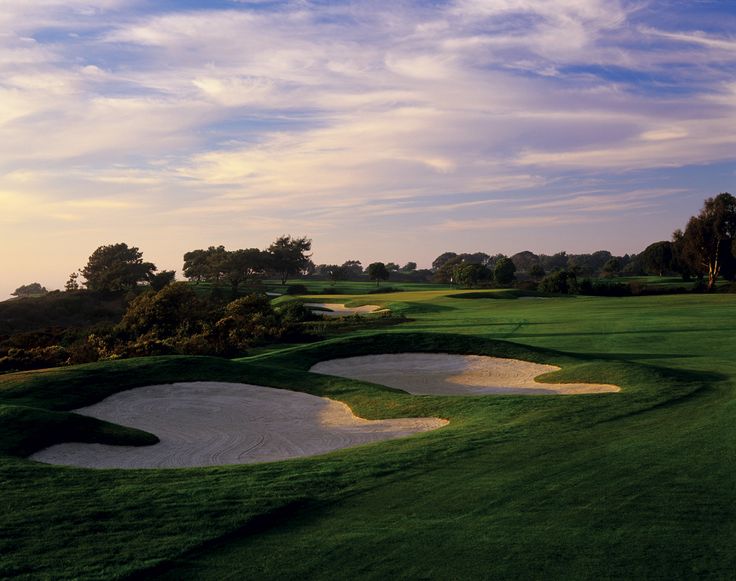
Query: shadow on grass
x=259, y=523
x=642, y=332
x=421, y=308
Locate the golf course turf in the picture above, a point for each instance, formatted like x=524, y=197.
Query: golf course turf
x=636, y=484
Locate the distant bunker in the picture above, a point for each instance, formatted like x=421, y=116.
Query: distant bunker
x=340, y=310
x=446, y=374
x=212, y=423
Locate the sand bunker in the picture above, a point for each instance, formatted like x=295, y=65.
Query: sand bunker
x=445, y=374
x=209, y=423
x=340, y=310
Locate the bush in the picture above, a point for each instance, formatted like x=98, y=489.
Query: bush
x=164, y=313
x=295, y=312
x=34, y=358
x=561, y=282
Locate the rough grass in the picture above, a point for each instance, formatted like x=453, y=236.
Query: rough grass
x=638, y=484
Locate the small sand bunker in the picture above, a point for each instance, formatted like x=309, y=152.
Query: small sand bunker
x=340, y=310
x=209, y=424
x=445, y=374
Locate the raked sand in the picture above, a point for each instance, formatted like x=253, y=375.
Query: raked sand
x=446, y=374
x=340, y=310
x=211, y=423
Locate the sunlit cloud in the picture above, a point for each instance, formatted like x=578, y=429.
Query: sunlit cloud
x=437, y=124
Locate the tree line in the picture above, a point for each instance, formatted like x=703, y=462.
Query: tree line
x=704, y=250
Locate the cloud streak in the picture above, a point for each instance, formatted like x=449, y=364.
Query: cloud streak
x=359, y=118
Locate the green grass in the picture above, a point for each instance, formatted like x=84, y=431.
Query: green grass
x=639, y=484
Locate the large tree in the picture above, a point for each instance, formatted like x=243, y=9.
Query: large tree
x=446, y=272
x=440, y=261
x=708, y=237
x=657, y=258
x=209, y=265
x=377, y=271
x=242, y=265
x=195, y=265
x=352, y=268
x=470, y=274
x=287, y=256
x=116, y=267
x=525, y=260
x=504, y=272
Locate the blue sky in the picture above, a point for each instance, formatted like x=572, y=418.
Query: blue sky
x=384, y=131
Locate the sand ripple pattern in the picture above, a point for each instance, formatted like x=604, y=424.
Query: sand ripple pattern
x=446, y=374
x=212, y=423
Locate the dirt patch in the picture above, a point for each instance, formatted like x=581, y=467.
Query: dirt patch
x=211, y=423
x=446, y=374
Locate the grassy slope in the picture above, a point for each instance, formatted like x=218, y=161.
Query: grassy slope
x=639, y=483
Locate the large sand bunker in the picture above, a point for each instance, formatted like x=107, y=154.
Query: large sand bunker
x=209, y=423
x=445, y=374
x=340, y=310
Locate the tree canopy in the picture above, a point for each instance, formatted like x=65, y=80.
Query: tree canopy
x=288, y=256
x=29, y=290
x=470, y=274
x=242, y=265
x=657, y=258
x=116, y=267
x=377, y=271
x=504, y=271
x=352, y=268
x=208, y=265
x=706, y=245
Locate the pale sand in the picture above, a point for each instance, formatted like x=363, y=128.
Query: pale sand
x=211, y=423
x=340, y=310
x=445, y=374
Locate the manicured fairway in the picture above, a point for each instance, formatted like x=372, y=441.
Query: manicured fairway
x=637, y=484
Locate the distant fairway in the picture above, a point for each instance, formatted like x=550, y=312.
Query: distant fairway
x=637, y=484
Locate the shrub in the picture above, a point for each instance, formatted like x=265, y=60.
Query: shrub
x=164, y=313
x=295, y=312
x=34, y=358
x=560, y=282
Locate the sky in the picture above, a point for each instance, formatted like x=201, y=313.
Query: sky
x=388, y=131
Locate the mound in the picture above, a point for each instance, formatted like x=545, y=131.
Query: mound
x=445, y=374
x=209, y=423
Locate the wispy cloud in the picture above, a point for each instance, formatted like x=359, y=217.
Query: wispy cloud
x=356, y=116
